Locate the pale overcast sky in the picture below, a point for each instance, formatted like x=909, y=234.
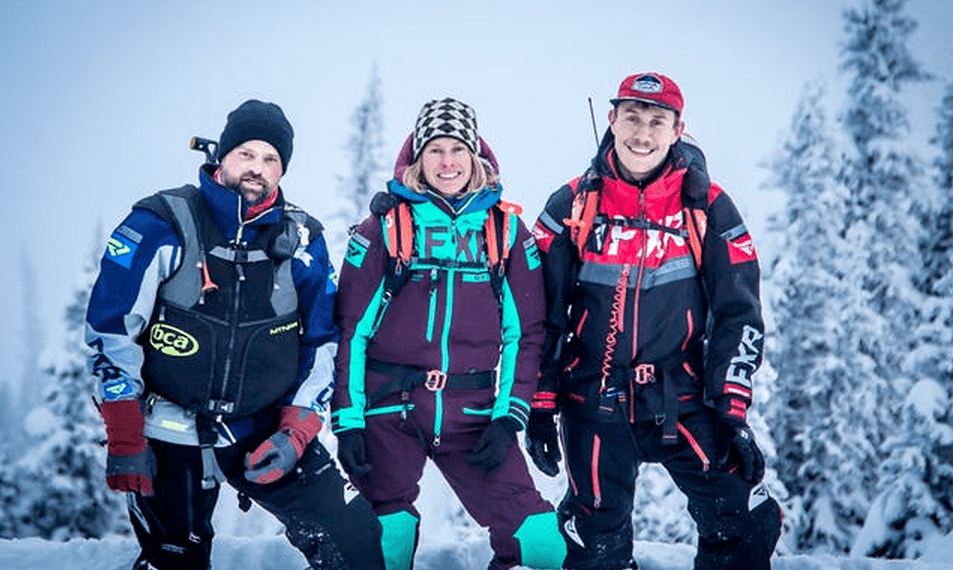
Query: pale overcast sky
x=99, y=98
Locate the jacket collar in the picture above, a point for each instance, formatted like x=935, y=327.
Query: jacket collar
x=483, y=199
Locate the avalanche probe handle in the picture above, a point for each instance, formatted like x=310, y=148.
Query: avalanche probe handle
x=208, y=146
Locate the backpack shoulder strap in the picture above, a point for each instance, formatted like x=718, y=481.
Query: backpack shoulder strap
x=398, y=229
x=399, y=232
x=496, y=231
x=585, y=206
x=695, y=187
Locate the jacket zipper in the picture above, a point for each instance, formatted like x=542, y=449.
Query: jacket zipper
x=431, y=316
x=233, y=318
x=638, y=281
x=445, y=339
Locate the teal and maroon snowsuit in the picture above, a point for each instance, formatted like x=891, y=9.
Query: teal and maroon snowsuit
x=446, y=318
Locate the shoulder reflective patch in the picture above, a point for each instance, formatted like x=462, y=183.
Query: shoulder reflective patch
x=115, y=390
x=120, y=249
x=532, y=254
x=130, y=233
x=356, y=251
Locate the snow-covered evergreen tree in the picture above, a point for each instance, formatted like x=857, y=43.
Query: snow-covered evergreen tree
x=915, y=505
x=915, y=502
x=365, y=147
x=889, y=198
x=32, y=340
x=848, y=305
x=661, y=513
x=55, y=488
x=934, y=356
x=817, y=374
x=367, y=174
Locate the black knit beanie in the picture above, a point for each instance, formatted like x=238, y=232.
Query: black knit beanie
x=256, y=120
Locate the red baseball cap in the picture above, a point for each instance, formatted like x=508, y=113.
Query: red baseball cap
x=653, y=88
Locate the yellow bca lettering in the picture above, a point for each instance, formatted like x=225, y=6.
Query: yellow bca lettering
x=172, y=341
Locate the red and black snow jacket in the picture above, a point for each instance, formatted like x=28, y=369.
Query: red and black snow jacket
x=632, y=314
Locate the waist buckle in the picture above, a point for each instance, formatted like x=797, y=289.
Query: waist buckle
x=436, y=380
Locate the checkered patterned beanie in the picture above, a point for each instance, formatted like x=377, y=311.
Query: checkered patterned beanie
x=446, y=118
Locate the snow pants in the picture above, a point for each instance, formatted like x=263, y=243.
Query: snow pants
x=738, y=523
x=444, y=426
x=324, y=518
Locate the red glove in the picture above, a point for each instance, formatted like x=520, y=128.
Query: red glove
x=277, y=455
x=130, y=463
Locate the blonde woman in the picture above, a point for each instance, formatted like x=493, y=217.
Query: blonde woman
x=441, y=287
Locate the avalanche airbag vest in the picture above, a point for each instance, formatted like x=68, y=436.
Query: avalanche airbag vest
x=223, y=338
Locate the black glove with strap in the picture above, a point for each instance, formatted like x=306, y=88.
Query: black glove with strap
x=352, y=453
x=542, y=441
x=742, y=449
x=490, y=449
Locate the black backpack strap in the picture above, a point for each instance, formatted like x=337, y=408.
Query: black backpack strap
x=282, y=239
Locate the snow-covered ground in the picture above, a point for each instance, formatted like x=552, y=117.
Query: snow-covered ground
x=254, y=541
x=271, y=552
x=449, y=540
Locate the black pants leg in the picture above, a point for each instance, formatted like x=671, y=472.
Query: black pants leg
x=324, y=515
x=174, y=526
x=596, y=514
x=738, y=523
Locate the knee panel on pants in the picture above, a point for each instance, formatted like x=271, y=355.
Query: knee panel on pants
x=399, y=539
x=541, y=544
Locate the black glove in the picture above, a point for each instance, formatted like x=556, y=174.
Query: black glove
x=351, y=453
x=490, y=449
x=542, y=442
x=743, y=450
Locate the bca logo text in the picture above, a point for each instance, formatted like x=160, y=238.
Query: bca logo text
x=172, y=341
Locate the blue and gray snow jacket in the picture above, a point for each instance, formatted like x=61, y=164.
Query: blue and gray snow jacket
x=141, y=285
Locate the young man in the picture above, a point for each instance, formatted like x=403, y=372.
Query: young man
x=654, y=330
x=213, y=339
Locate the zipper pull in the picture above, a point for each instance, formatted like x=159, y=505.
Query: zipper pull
x=207, y=283
x=241, y=271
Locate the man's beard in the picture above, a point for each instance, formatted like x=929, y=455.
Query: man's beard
x=235, y=183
